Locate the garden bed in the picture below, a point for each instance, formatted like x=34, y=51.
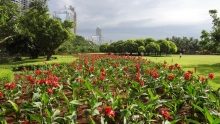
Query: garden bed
x=109, y=89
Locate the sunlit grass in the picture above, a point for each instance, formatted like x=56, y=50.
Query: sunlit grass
x=40, y=60
x=204, y=64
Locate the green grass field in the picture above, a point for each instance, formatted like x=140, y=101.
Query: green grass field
x=40, y=60
x=204, y=65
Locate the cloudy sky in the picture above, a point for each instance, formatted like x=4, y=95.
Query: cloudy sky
x=133, y=19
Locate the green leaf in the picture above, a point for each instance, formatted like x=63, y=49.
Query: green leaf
x=217, y=121
x=45, y=98
x=151, y=94
x=36, y=118
x=193, y=121
x=38, y=105
x=199, y=108
x=48, y=113
x=208, y=115
x=55, y=113
x=75, y=102
x=97, y=104
x=15, y=106
x=65, y=98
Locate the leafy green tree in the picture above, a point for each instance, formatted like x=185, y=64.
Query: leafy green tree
x=119, y=46
x=131, y=46
x=141, y=49
x=211, y=41
x=46, y=33
x=104, y=48
x=152, y=47
x=9, y=14
x=164, y=46
x=139, y=42
x=173, y=47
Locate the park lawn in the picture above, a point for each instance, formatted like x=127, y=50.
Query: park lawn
x=204, y=65
x=40, y=60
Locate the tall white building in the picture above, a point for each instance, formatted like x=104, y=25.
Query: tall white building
x=67, y=14
x=99, y=35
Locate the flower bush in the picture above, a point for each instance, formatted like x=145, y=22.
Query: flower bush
x=109, y=89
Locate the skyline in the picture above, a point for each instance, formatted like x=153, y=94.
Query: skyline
x=130, y=19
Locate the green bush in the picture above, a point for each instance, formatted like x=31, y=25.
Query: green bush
x=6, y=75
x=5, y=60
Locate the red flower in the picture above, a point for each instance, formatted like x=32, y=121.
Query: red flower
x=211, y=76
x=203, y=79
x=170, y=77
x=49, y=90
x=38, y=72
x=155, y=75
x=1, y=94
x=165, y=114
x=24, y=122
x=187, y=76
x=104, y=73
x=108, y=109
x=91, y=69
x=79, y=80
x=11, y=86
x=30, y=79
x=102, y=77
x=55, y=84
x=111, y=114
x=125, y=68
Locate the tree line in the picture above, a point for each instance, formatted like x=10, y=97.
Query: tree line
x=146, y=46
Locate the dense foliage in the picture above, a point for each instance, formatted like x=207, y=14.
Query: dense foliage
x=109, y=89
x=211, y=41
x=78, y=45
x=35, y=32
x=148, y=45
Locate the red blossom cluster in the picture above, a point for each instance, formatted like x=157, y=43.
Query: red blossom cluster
x=110, y=112
x=9, y=85
x=211, y=76
x=170, y=77
x=187, y=76
x=1, y=94
x=165, y=114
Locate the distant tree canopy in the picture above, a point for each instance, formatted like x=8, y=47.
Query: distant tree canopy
x=148, y=45
x=78, y=45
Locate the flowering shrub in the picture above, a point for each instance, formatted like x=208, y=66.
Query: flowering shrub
x=109, y=89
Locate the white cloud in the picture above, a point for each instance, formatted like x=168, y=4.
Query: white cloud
x=139, y=15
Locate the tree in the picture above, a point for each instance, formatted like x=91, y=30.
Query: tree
x=131, y=46
x=46, y=33
x=140, y=42
x=173, y=47
x=141, y=49
x=153, y=47
x=211, y=41
x=104, y=48
x=164, y=46
x=9, y=14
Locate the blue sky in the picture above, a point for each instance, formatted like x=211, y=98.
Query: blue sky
x=133, y=19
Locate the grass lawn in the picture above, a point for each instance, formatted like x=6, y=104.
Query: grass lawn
x=204, y=65
x=40, y=60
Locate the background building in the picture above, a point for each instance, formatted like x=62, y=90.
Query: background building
x=99, y=35
x=67, y=14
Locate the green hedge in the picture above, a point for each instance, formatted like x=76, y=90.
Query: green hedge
x=6, y=75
